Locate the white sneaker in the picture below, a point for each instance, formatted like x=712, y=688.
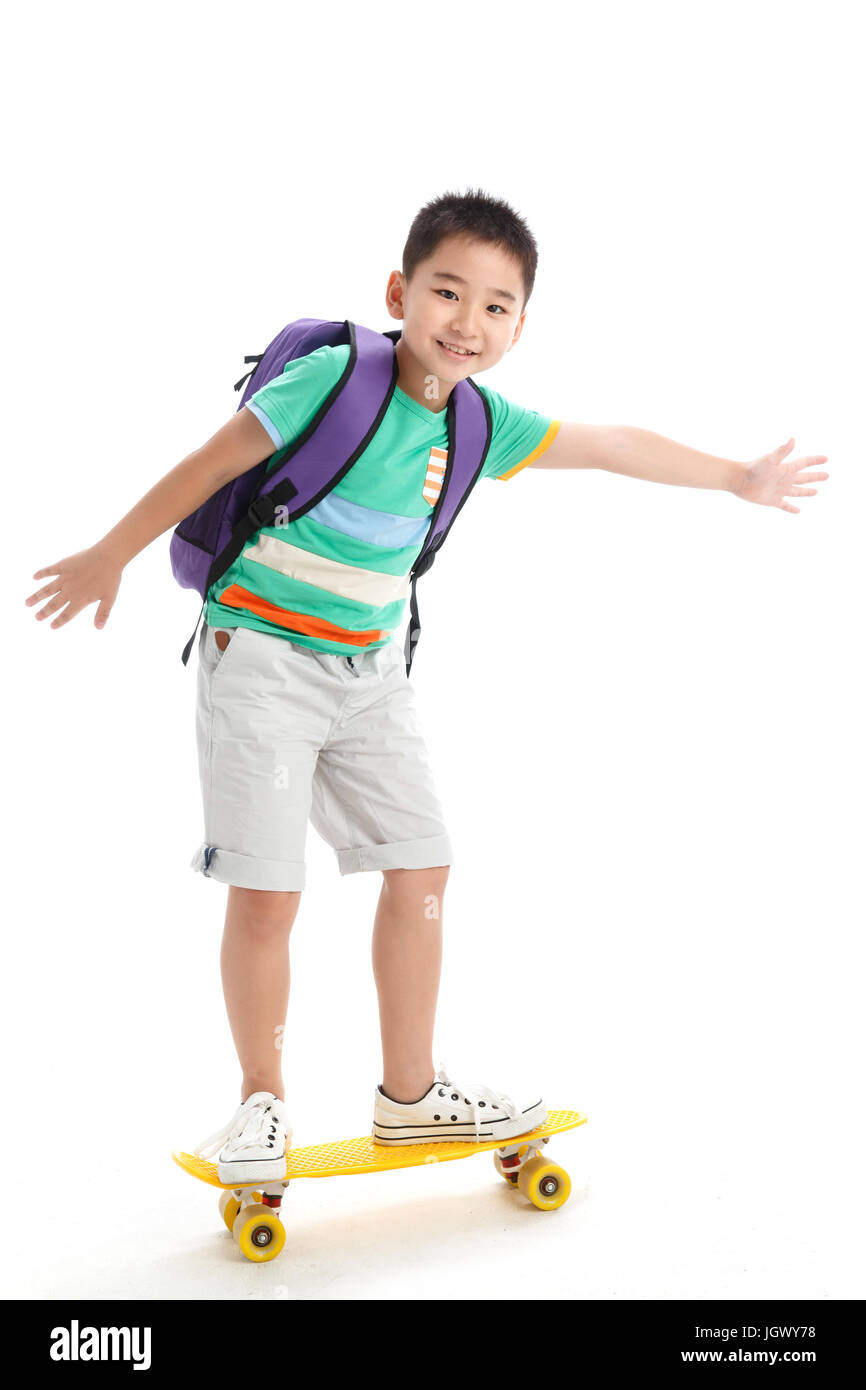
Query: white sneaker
x=473, y=1114
x=257, y=1136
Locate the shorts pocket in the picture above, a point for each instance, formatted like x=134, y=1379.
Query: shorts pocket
x=217, y=655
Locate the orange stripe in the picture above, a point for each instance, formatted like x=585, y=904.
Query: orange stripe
x=540, y=448
x=236, y=597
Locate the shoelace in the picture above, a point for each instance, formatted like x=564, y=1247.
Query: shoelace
x=251, y=1125
x=479, y=1098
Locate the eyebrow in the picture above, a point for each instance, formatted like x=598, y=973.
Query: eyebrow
x=446, y=275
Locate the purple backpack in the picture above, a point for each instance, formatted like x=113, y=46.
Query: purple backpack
x=211, y=538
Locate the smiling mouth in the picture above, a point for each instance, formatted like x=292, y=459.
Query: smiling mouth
x=449, y=347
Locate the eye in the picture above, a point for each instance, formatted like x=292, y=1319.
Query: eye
x=490, y=306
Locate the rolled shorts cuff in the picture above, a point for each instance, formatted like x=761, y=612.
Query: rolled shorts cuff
x=408, y=854
x=242, y=871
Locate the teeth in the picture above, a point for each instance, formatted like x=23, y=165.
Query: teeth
x=463, y=352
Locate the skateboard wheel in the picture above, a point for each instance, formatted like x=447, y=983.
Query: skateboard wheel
x=545, y=1184
x=259, y=1232
x=229, y=1208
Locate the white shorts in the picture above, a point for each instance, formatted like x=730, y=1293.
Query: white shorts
x=287, y=734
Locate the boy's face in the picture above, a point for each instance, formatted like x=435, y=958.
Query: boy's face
x=469, y=295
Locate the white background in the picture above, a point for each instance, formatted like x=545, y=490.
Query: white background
x=648, y=742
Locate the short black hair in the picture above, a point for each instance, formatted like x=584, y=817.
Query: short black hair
x=477, y=215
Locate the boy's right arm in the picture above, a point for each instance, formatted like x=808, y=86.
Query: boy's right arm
x=94, y=574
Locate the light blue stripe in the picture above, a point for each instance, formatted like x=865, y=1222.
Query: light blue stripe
x=366, y=524
x=268, y=424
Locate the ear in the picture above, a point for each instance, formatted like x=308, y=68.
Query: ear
x=395, y=294
x=517, y=332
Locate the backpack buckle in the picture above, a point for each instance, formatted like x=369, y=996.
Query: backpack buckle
x=261, y=512
x=423, y=565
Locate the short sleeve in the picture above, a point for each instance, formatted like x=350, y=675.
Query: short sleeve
x=267, y=423
x=518, y=436
x=286, y=405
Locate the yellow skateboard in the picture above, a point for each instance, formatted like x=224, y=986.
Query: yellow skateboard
x=252, y=1211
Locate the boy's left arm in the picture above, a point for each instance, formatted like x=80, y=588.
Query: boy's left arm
x=638, y=453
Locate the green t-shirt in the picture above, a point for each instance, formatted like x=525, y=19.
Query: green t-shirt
x=337, y=578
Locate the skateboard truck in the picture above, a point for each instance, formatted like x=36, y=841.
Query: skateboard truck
x=510, y=1159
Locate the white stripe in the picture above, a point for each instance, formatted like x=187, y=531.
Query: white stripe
x=436, y=466
x=347, y=581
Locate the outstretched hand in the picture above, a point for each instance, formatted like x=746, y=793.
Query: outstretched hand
x=769, y=480
x=91, y=576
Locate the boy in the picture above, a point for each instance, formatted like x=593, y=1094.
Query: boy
x=304, y=707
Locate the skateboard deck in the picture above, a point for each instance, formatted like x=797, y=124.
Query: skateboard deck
x=251, y=1210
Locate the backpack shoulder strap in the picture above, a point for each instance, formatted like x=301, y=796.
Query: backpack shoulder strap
x=343, y=425
x=336, y=436
x=470, y=430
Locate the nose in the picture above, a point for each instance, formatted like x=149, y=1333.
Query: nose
x=463, y=326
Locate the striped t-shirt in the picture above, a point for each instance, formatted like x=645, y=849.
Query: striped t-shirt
x=337, y=578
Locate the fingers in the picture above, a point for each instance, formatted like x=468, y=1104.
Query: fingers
x=71, y=611
x=59, y=602
x=809, y=462
x=49, y=569
x=44, y=592
x=65, y=617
